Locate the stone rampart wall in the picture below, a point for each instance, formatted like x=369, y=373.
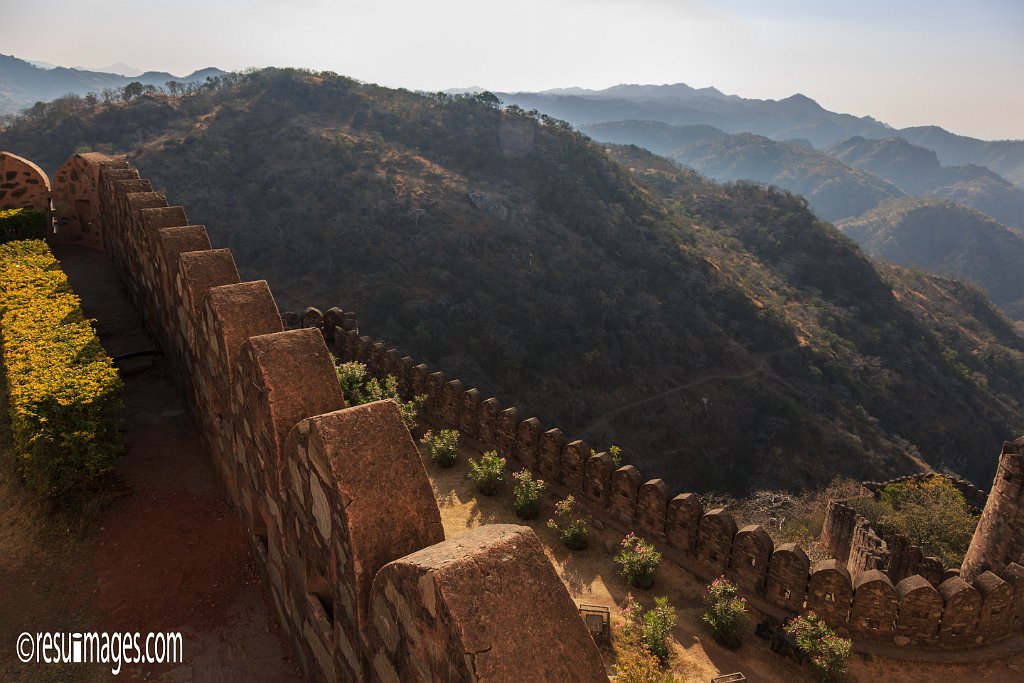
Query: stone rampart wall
x=335, y=500
x=926, y=608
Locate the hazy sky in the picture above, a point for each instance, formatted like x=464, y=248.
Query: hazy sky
x=907, y=62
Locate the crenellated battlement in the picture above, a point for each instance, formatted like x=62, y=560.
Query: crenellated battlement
x=371, y=596
x=876, y=592
x=311, y=478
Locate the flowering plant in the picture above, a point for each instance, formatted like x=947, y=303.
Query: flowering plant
x=638, y=561
x=828, y=653
x=724, y=612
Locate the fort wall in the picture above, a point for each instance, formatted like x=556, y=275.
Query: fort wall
x=23, y=185
x=875, y=593
x=999, y=540
x=335, y=501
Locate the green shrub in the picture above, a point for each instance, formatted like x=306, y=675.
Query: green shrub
x=649, y=628
x=359, y=387
x=526, y=494
x=63, y=390
x=725, y=613
x=932, y=513
x=828, y=654
x=487, y=472
x=638, y=561
x=443, y=446
x=572, y=529
x=22, y=224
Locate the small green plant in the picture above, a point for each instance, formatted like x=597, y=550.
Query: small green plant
x=649, y=628
x=725, y=613
x=526, y=494
x=638, y=561
x=487, y=472
x=616, y=454
x=443, y=446
x=359, y=387
x=572, y=529
x=828, y=654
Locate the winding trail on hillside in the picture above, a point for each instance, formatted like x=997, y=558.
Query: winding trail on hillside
x=760, y=365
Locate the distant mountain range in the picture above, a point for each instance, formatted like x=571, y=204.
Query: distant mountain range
x=919, y=196
x=722, y=335
x=22, y=83
x=797, y=117
x=834, y=190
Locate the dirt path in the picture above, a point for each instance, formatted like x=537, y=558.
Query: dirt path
x=761, y=364
x=170, y=555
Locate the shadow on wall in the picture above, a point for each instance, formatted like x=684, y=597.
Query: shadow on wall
x=335, y=500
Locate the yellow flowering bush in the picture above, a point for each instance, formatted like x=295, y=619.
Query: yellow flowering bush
x=63, y=390
x=20, y=224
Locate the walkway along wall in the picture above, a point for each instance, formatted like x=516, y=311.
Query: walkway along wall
x=914, y=611
x=363, y=595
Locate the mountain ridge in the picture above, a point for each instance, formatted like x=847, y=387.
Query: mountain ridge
x=572, y=278
x=22, y=84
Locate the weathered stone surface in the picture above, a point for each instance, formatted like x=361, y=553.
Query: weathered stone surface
x=786, y=582
x=505, y=432
x=920, y=610
x=23, y=185
x=830, y=593
x=751, y=549
x=199, y=271
x=574, y=460
x=625, y=485
x=486, y=606
x=312, y=317
x=528, y=442
x=960, y=610
x=597, y=475
x=682, y=520
x=999, y=538
x=435, y=396
x=237, y=312
x=996, y=601
x=875, y=604
x=651, y=509
x=451, y=402
x=715, y=532
x=278, y=360
x=549, y=455
x=372, y=465
x=468, y=413
x=1013, y=574
x=487, y=416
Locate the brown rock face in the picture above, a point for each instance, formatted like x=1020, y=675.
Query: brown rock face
x=465, y=610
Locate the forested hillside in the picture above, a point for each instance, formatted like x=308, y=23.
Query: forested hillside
x=950, y=239
x=722, y=335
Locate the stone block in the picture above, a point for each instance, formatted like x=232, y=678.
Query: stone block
x=830, y=593
x=682, y=519
x=651, y=509
x=487, y=606
x=549, y=455
x=786, y=582
x=714, y=540
x=752, y=548
x=625, y=485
